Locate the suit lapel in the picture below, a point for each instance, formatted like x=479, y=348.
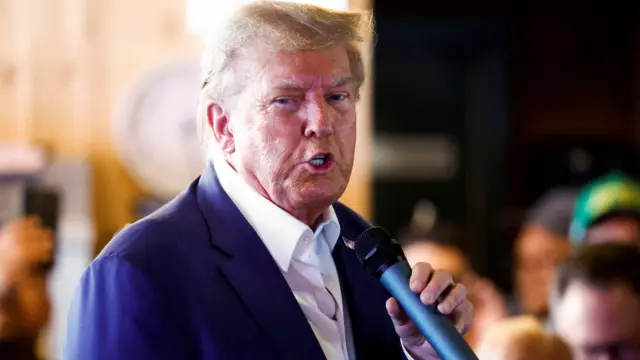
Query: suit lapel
x=373, y=334
x=254, y=275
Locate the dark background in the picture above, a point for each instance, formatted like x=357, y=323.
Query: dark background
x=531, y=100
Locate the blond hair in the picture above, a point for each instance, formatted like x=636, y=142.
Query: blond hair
x=521, y=338
x=276, y=26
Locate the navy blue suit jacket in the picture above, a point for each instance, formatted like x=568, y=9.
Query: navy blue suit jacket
x=194, y=281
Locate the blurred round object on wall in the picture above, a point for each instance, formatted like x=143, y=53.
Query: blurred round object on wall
x=155, y=128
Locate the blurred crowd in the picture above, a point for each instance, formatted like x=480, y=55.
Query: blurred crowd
x=577, y=278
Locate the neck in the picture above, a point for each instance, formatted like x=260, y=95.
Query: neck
x=310, y=216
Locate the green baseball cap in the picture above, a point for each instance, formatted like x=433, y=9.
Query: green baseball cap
x=610, y=194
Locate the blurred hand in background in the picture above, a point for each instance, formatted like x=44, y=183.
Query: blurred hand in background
x=26, y=247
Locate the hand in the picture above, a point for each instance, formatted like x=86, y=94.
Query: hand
x=432, y=285
x=24, y=245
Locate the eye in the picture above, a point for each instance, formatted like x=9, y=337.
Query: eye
x=284, y=101
x=338, y=97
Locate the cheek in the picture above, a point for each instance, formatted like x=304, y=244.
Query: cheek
x=346, y=134
x=273, y=142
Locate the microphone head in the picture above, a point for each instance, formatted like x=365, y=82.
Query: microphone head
x=375, y=249
x=369, y=240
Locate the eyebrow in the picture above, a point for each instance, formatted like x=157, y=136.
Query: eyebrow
x=297, y=85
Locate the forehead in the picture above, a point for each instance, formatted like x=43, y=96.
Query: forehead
x=324, y=67
x=535, y=239
x=590, y=316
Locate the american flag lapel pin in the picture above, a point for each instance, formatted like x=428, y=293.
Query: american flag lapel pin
x=349, y=243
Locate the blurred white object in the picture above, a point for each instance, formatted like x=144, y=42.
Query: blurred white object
x=18, y=159
x=201, y=14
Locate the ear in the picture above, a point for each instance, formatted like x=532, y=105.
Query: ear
x=221, y=129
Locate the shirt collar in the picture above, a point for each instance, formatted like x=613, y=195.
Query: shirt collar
x=280, y=232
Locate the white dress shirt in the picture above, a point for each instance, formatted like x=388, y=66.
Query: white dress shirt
x=303, y=256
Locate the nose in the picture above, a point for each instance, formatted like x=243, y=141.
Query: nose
x=318, y=122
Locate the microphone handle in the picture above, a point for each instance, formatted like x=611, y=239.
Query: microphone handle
x=436, y=328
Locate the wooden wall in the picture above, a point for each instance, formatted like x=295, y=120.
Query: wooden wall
x=64, y=64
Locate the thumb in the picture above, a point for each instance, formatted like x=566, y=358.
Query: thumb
x=405, y=328
x=397, y=314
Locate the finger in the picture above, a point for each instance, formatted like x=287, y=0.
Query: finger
x=439, y=282
x=420, y=277
x=405, y=328
x=462, y=317
x=453, y=299
x=397, y=314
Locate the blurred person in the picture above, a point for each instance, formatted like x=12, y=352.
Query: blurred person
x=608, y=209
x=26, y=249
x=595, y=303
x=439, y=248
x=248, y=262
x=522, y=338
x=541, y=245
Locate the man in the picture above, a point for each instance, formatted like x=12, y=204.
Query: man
x=438, y=248
x=251, y=262
x=25, y=250
x=595, y=304
x=540, y=247
x=608, y=209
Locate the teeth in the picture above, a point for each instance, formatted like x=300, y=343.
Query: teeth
x=319, y=160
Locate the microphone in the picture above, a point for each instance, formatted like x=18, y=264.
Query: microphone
x=383, y=258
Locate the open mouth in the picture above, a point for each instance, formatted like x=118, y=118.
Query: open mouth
x=321, y=160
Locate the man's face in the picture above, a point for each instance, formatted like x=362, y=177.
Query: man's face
x=293, y=128
x=617, y=229
x=600, y=323
x=538, y=253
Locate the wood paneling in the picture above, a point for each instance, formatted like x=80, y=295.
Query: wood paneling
x=64, y=64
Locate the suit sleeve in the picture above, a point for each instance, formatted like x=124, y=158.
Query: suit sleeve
x=116, y=314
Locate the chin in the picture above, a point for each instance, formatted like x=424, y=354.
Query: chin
x=321, y=196
x=324, y=199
